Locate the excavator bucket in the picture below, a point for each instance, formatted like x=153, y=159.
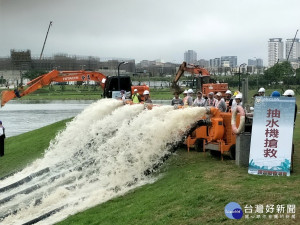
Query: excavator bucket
x=6, y=96
x=176, y=88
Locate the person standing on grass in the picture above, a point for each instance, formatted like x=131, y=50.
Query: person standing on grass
x=221, y=105
x=176, y=101
x=136, y=98
x=291, y=93
x=147, y=100
x=211, y=101
x=200, y=101
x=2, y=137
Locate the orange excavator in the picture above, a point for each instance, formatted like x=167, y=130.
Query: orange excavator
x=203, y=79
x=111, y=84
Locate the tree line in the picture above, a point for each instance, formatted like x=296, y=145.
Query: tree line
x=281, y=75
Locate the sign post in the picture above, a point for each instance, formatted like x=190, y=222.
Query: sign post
x=272, y=136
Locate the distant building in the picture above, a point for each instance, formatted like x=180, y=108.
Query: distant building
x=190, y=57
x=231, y=61
x=259, y=63
x=275, y=51
x=203, y=63
x=215, y=63
x=155, y=68
x=255, y=62
x=292, y=51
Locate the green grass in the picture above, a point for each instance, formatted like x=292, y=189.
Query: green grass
x=25, y=148
x=194, y=189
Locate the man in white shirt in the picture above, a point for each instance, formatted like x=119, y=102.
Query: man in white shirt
x=2, y=137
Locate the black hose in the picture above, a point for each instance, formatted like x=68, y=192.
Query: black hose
x=26, y=191
x=174, y=146
x=44, y=216
x=24, y=180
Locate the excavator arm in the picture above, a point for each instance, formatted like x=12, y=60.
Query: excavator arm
x=195, y=70
x=53, y=76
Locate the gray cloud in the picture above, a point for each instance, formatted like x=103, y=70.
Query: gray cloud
x=144, y=29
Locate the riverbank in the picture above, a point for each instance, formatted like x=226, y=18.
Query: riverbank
x=23, y=149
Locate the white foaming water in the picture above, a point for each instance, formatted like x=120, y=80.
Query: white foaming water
x=102, y=153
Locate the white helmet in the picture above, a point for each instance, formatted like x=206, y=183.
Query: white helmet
x=219, y=94
x=228, y=92
x=190, y=91
x=289, y=92
x=239, y=95
x=135, y=90
x=262, y=90
x=146, y=92
x=185, y=92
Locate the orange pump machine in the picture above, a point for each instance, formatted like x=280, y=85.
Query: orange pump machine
x=214, y=133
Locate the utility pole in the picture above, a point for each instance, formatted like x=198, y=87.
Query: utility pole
x=50, y=24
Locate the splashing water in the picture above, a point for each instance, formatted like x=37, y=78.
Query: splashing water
x=103, y=153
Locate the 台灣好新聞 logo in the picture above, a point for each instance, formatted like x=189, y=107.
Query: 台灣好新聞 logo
x=233, y=211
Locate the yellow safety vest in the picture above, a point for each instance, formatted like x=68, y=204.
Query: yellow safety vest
x=135, y=98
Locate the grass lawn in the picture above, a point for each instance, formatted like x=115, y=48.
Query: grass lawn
x=24, y=148
x=194, y=189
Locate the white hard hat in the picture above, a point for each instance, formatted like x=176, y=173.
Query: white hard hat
x=219, y=94
x=289, y=92
x=185, y=92
x=190, y=91
x=262, y=90
x=210, y=93
x=135, y=90
x=228, y=92
x=239, y=95
x=146, y=92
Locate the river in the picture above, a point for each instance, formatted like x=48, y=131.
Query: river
x=22, y=116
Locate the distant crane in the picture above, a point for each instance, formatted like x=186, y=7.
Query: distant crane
x=50, y=24
x=292, y=46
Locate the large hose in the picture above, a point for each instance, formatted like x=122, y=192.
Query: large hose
x=241, y=127
x=24, y=180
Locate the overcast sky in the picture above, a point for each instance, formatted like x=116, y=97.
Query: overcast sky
x=147, y=29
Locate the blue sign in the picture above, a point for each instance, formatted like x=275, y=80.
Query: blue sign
x=233, y=210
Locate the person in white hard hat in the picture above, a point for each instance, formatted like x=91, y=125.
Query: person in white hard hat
x=136, y=98
x=237, y=101
x=147, y=100
x=221, y=105
x=187, y=100
x=190, y=92
x=228, y=100
x=291, y=93
x=261, y=92
x=211, y=101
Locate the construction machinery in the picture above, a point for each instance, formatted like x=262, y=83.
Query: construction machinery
x=203, y=80
x=216, y=132
x=111, y=84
